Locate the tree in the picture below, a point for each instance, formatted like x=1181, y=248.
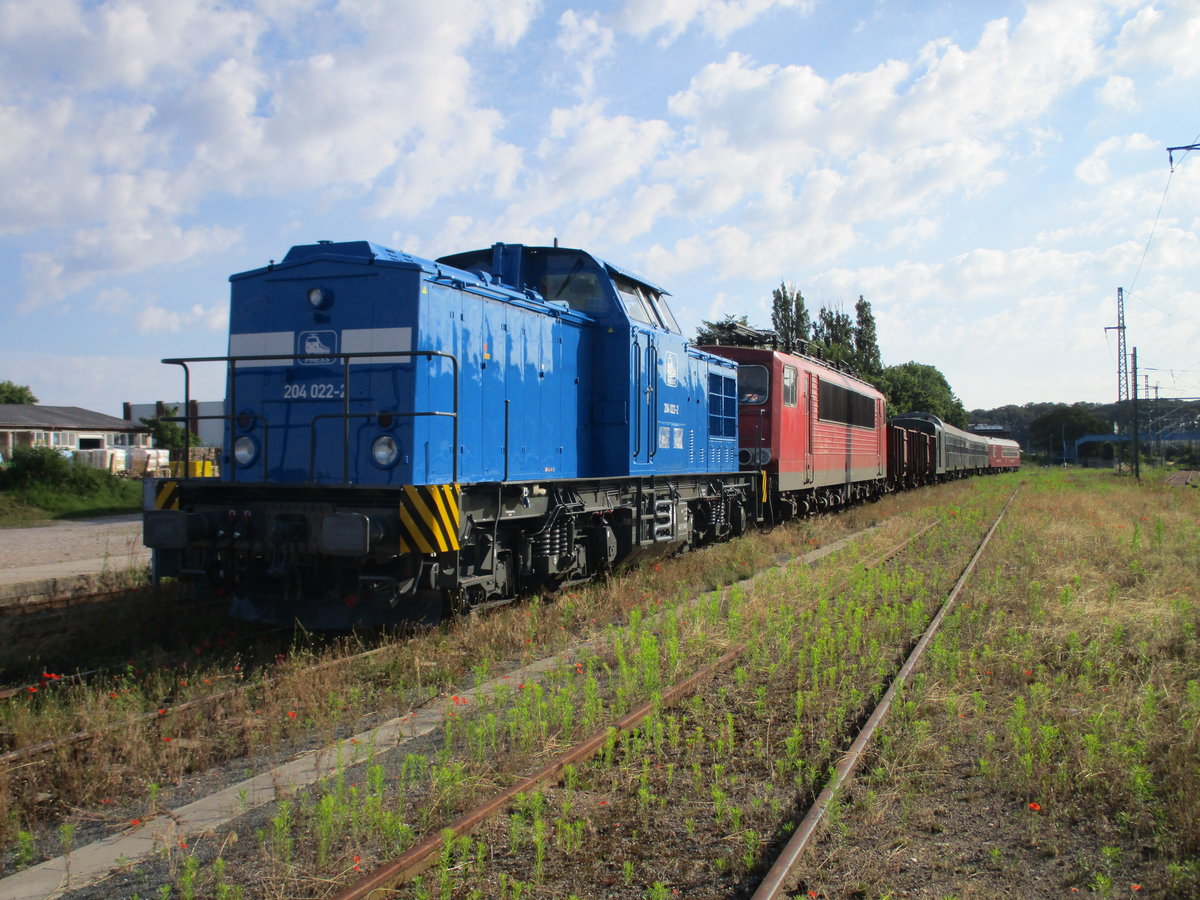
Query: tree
x=833, y=332
x=169, y=435
x=915, y=387
x=1062, y=426
x=16, y=393
x=789, y=317
x=867, y=361
x=1019, y=419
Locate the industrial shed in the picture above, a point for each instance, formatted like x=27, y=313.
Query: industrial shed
x=65, y=428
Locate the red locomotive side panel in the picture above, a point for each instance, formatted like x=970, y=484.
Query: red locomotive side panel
x=805, y=423
x=1003, y=454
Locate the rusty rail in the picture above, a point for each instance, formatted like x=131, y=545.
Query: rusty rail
x=772, y=885
x=419, y=857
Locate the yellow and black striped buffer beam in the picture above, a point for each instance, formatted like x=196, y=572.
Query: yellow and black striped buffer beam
x=429, y=518
x=166, y=496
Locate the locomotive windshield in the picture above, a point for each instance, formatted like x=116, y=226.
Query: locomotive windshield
x=566, y=277
x=753, y=385
x=645, y=305
x=636, y=303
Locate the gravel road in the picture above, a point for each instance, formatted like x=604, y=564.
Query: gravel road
x=116, y=538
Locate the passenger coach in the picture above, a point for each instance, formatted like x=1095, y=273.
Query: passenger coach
x=957, y=453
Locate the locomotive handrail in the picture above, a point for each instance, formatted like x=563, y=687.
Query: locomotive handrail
x=637, y=395
x=652, y=398
x=231, y=363
x=182, y=362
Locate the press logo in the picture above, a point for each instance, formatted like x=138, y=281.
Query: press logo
x=313, y=348
x=672, y=367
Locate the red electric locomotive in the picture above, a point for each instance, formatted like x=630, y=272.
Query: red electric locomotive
x=817, y=435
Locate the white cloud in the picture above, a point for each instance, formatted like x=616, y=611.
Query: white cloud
x=132, y=114
x=587, y=155
x=1094, y=169
x=584, y=42
x=1162, y=37
x=1118, y=94
x=154, y=319
x=719, y=18
x=51, y=276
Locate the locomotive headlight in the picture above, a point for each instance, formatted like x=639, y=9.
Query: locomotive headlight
x=385, y=450
x=244, y=450
x=319, y=297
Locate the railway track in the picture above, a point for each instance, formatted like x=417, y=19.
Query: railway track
x=389, y=877
x=601, y=740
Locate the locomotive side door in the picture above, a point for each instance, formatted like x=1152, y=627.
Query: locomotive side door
x=645, y=397
x=811, y=408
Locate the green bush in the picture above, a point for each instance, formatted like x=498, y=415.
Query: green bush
x=45, y=466
x=42, y=477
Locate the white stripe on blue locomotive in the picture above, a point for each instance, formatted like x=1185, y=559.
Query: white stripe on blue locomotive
x=353, y=340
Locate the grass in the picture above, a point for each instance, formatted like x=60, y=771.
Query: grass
x=1062, y=697
x=143, y=747
x=1048, y=742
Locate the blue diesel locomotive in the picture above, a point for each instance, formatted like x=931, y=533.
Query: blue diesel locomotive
x=408, y=439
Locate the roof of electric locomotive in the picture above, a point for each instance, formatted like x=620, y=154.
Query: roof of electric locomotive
x=742, y=353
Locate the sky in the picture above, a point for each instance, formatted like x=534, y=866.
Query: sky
x=985, y=174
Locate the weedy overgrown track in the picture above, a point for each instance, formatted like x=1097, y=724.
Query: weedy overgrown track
x=1048, y=740
x=310, y=839
x=158, y=726
x=692, y=800
x=1051, y=745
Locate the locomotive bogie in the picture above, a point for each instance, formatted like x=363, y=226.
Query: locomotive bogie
x=374, y=556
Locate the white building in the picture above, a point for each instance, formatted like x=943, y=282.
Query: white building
x=65, y=428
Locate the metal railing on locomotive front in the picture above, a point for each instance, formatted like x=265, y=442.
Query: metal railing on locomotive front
x=345, y=415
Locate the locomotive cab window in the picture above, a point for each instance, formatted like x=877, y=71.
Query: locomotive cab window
x=791, y=379
x=753, y=385
x=659, y=302
x=636, y=304
x=569, y=278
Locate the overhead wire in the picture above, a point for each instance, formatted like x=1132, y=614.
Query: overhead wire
x=1154, y=227
x=1129, y=293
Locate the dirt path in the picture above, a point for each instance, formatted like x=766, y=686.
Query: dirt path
x=114, y=537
